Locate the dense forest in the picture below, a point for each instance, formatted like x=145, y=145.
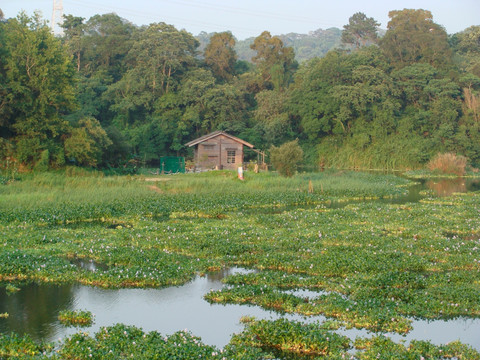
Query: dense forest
x=109, y=92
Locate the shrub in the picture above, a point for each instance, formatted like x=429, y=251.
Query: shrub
x=286, y=157
x=448, y=163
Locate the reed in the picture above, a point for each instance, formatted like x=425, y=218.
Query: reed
x=448, y=163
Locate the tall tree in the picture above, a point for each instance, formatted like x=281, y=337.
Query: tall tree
x=74, y=28
x=39, y=77
x=313, y=100
x=208, y=106
x=158, y=60
x=161, y=53
x=220, y=55
x=194, y=88
x=272, y=114
x=412, y=37
x=360, y=31
x=276, y=63
x=106, y=44
x=4, y=118
x=225, y=109
x=468, y=47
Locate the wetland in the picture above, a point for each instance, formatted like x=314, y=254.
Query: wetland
x=371, y=262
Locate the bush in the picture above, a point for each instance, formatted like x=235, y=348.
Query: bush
x=286, y=158
x=448, y=163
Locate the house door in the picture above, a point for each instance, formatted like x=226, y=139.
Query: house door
x=229, y=156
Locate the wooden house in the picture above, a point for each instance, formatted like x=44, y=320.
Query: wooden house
x=218, y=150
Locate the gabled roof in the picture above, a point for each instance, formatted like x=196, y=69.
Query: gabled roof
x=215, y=134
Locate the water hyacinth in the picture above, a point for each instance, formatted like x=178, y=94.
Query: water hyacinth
x=80, y=318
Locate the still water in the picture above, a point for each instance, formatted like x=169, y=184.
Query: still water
x=35, y=308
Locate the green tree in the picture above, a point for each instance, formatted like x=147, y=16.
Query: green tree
x=329, y=93
x=87, y=143
x=193, y=97
x=412, y=81
x=468, y=134
x=225, y=109
x=39, y=82
x=74, y=28
x=273, y=115
x=286, y=157
x=205, y=106
x=160, y=53
x=311, y=98
x=364, y=97
x=107, y=41
x=413, y=37
x=360, y=31
x=467, y=46
x=276, y=63
x=5, y=119
x=159, y=58
x=220, y=55
x=118, y=152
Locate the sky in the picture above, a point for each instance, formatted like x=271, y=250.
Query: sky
x=249, y=18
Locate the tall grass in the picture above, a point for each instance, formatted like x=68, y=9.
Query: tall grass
x=448, y=163
x=61, y=191
x=330, y=183
x=60, y=197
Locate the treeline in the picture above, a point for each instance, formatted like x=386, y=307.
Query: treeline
x=109, y=92
x=306, y=46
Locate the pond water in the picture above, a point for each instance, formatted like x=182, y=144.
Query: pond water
x=448, y=187
x=35, y=308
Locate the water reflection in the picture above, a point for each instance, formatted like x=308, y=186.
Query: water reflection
x=88, y=264
x=34, y=309
x=448, y=187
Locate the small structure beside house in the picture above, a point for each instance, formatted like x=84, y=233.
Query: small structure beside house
x=218, y=150
x=172, y=164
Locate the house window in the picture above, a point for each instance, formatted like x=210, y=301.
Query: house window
x=230, y=156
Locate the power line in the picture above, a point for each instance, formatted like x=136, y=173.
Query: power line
x=155, y=17
x=152, y=16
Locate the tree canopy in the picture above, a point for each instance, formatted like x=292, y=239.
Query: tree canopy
x=360, y=31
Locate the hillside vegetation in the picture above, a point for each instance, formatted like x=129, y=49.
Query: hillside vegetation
x=111, y=94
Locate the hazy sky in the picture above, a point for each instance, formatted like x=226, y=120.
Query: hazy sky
x=248, y=18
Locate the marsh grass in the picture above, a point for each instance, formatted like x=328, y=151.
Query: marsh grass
x=448, y=163
x=332, y=182
x=67, y=196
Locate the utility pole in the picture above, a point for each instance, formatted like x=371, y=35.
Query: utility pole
x=57, y=17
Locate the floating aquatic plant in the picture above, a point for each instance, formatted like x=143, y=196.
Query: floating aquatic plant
x=80, y=318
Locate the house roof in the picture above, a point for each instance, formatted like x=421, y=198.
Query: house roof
x=215, y=134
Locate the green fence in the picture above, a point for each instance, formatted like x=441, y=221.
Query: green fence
x=172, y=164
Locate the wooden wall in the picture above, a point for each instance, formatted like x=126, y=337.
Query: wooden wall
x=219, y=152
